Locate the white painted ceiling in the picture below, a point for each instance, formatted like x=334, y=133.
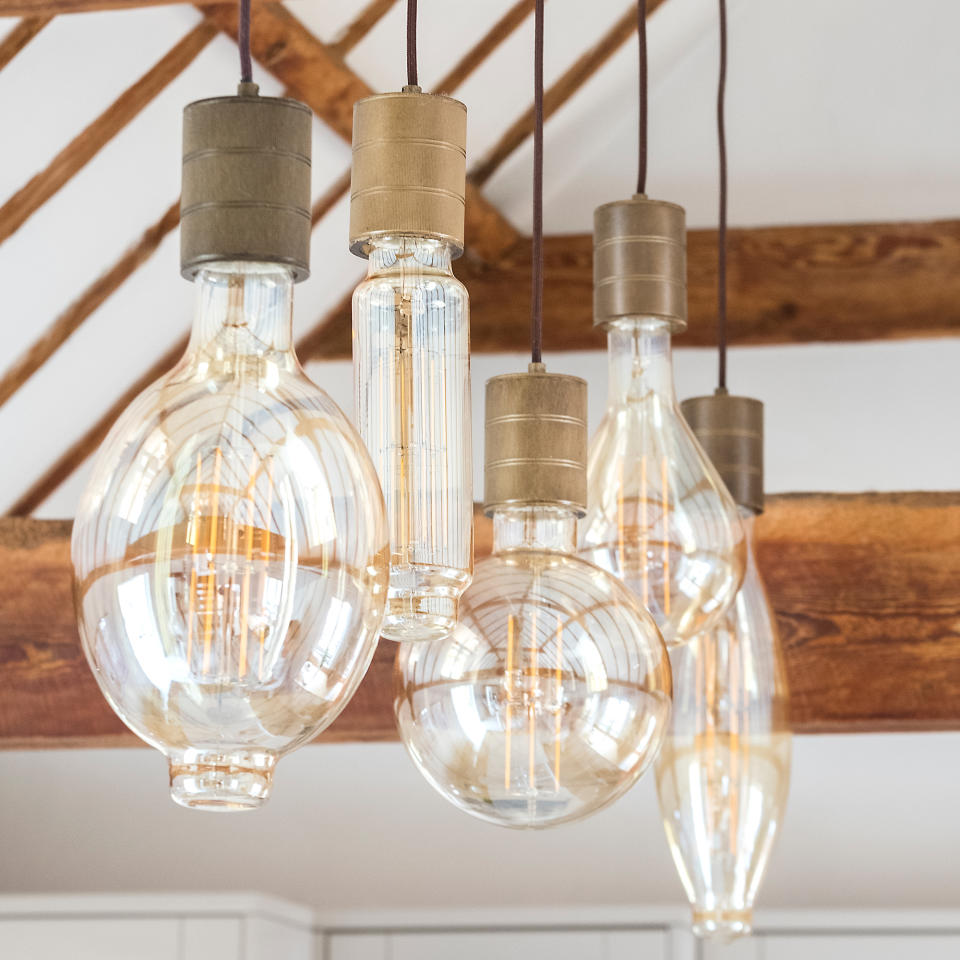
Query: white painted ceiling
x=837, y=112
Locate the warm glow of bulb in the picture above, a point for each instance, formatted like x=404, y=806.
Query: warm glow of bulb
x=659, y=517
x=411, y=348
x=230, y=551
x=724, y=770
x=551, y=697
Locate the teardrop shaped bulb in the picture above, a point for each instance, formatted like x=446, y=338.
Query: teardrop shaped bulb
x=659, y=516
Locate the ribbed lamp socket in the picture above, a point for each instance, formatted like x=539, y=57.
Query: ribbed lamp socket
x=640, y=262
x=730, y=430
x=409, y=169
x=246, y=182
x=536, y=441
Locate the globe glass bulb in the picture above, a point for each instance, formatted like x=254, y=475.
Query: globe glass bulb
x=659, y=516
x=724, y=770
x=229, y=552
x=551, y=697
x=411, y=326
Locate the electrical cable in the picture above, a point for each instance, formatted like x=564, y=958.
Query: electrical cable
x=412, y=73
x=722, y=222
x=243, y=42
x=536, y=314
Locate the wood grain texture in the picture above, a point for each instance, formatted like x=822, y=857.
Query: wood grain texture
x=19, y=37
x=560, y=91
x=88, y=301
x=85, y=146
x=320, y=78
x=866, y=588
x=816, y=284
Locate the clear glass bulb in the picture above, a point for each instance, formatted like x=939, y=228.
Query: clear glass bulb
x=724, y=770
x=230, y=550
x=411, y=349
x=659, y=516
x=551, y=697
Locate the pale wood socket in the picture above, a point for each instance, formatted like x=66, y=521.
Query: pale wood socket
x=730, y=430
x=409, y=169
x=536, y=441
x=246, y=182
x=640, y=262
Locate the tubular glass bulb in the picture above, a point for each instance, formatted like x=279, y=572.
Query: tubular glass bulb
x=230, y=550
x=551, y=697
x=659, y=515
x=411, y=351
x=724, y=770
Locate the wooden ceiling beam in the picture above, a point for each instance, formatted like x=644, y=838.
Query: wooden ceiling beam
x=19, y=37
x=866, y=588
x=85, y=146
x=810, y=284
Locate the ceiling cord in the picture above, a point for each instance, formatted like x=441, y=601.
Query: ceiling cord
x=722, y=224
x=412, y=73
x=536, y=314
x=243, y=41
x=642, y=34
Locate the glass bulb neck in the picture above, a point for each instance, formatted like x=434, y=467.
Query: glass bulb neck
x=397, y=255
x=535, y=527
x=641, y=360
x=243, y=309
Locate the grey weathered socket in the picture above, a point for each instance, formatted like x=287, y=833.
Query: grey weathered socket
x=640, y=262
x=536, y=440
x=246, y=182
x=730, y=430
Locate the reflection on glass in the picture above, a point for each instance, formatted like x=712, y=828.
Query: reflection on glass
x=411, y=328
x=659, y=516
x=551, y=698
x=724, y=770
x=230, y=551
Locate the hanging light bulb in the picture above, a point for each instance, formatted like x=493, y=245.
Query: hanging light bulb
x=230, y=550
x=724, y=770
x=551, y=697
x=659, y=516
x=411, y=344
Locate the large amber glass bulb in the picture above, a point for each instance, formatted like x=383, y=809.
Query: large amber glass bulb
x=411, y=350
x=551, y=697
x=659, y=516
x=724, y=770
x=230, y=550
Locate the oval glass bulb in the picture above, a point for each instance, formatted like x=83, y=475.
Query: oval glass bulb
x=550, y=698
x=724, y=770
x=659, y=516
x=411, y=340
x=229, y=552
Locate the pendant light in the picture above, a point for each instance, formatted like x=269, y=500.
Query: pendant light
x=229, y=552
x=551, y=697
x=411, y=343
x=659, y=517
x=724, y=770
